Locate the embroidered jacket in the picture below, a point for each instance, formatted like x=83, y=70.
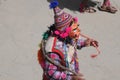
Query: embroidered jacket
x=61, y=53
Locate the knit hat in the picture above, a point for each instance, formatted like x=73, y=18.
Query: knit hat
x=62, y=19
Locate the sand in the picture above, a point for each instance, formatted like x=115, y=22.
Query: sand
x=22, y=23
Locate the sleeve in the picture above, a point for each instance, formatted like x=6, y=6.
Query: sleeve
x=53, y=72
x=80, y=43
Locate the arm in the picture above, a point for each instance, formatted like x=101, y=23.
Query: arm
x=83, y=42
x=88, y=42
x=80, y=43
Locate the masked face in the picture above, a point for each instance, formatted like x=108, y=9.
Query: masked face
x=75, y=30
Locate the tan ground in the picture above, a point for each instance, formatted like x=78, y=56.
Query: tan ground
x=22, y=23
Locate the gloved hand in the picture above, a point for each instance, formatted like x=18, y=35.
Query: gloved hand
x=91, y=42
x=94, y=43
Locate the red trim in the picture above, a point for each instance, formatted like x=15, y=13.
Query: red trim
x=58, y=51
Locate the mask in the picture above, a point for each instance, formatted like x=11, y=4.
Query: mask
x=75, y=30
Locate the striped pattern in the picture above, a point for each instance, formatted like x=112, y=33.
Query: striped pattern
x=62, y=19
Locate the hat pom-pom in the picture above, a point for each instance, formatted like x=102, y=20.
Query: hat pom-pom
x=53, y=4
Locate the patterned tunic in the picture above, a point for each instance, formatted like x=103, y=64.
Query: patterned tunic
x=56, y=49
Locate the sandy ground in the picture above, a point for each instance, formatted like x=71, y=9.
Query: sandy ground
x=22, y=23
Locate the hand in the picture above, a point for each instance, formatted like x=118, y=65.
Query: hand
x=91, y=42
x=78, y=77
x=94, y=43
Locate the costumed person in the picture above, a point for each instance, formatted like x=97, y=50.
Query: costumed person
x=58, y=49
x=106, y=6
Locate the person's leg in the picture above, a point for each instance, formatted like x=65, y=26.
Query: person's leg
x=85, y=8
x=83, y=5
x=106, y=3
x=106, y=6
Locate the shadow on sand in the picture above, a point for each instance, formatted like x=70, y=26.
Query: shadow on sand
x=73, y=4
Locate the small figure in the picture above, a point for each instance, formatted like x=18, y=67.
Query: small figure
x=58, y=50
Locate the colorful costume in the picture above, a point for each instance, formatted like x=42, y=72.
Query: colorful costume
x=61, y=53
x=61, y=43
